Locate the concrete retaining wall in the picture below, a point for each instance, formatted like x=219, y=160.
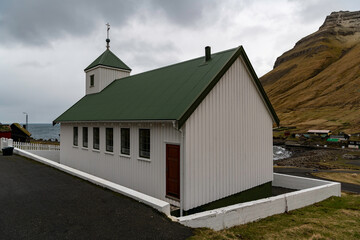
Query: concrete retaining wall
x=311, y=191
x=159, y=205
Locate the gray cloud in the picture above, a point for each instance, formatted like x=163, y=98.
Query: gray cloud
x=33, y=64
x=310, y=11
x=187, y=12
x=38, y=22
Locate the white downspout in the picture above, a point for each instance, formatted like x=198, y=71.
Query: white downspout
x=182, y=167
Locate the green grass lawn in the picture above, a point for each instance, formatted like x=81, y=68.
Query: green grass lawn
x=334, y=218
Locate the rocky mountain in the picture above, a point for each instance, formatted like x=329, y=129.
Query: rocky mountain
x=317, y=83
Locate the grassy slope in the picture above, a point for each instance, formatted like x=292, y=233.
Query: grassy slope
x=318, y=88
x=334, y=218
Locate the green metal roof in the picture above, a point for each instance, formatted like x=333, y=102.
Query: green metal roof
x=168, y=93
x=108, y=59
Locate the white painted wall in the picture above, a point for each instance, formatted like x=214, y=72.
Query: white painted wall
x=103, y=76
x=228, y=141
x=148, y=177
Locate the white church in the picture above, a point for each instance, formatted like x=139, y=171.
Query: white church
x=189, y=133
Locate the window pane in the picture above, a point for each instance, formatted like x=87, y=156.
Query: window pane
x=75, y=136
x=109, y=139
x=96, y=139
x=125, y=141
x=144, y=143
x=85, y=137
x=91, y=80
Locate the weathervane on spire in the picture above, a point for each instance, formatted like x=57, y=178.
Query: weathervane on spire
x=107, y=39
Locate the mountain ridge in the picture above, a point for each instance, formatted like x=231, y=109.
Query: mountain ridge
x=316, y=84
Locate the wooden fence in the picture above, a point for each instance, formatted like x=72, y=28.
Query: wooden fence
x=36, y=146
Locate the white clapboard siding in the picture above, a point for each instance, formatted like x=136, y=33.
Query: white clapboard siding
x=145, y=176
x=103, y=76
x=228, y=141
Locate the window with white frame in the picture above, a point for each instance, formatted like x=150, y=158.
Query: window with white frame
x=75, y=136
x=109, y=140
x=96, y=138
x=85, y=137
x=144, y=143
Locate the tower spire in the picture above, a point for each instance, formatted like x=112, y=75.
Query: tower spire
x=107, y=39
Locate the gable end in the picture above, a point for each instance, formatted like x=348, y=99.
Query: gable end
x=239, y=52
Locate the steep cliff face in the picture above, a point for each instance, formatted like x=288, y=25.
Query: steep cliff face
x=317, y=83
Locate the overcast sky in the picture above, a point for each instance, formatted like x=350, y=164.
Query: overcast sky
x=45, y=45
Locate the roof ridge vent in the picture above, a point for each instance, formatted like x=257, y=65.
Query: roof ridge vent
x=207, y=53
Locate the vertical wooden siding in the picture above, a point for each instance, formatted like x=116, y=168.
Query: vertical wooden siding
x=109, y=75
x=103, y=77
x=145, y=176
x=228, y=141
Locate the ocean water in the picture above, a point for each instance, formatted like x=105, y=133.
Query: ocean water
x=44, y=131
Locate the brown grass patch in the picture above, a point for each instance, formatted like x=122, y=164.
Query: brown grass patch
x=353, y=178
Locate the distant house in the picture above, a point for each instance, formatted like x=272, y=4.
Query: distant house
x=338, y=137
x=19, y=134
x=319, y=132
x=354, y=141
x=189, y=133
x=5, y=131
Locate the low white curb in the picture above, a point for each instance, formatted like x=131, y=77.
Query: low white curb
x=311, y=191
x=158, y=204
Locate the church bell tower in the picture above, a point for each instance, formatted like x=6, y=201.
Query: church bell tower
x=104, y=70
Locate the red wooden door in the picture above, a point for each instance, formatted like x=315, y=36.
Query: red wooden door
x=173, y=170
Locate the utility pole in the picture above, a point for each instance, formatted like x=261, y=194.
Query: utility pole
x=26, y=126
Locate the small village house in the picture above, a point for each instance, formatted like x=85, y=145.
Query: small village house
x=5, y=131
x=354, y=141
x=189, y=133
x=340, y=137
x=19, y=133
x=322, y=133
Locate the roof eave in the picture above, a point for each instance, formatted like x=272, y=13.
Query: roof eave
x=116, y=121
x=102, y=65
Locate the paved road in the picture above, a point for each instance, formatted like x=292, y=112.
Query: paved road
x=306, y=172
x=39, y=202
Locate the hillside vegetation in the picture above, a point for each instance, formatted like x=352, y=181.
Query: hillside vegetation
x=317, y=83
